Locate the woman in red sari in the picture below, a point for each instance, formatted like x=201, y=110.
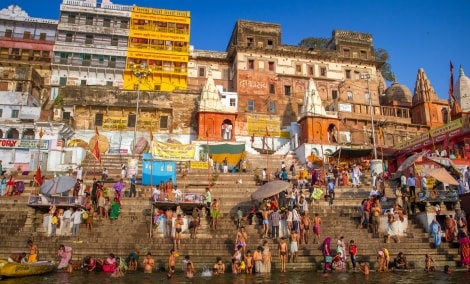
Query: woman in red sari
x=464, y=242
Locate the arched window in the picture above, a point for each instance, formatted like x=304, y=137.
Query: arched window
x=13, y=133
x=28, y=134
x=445, y=115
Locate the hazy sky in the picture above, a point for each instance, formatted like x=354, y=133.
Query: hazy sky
x=417, y=34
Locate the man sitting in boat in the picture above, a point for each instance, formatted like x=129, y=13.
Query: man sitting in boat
x=18, y=257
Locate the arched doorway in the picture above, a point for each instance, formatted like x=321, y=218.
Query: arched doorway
x=13, y=133
x=28, y=134
x=332, y=133
x=227, y=128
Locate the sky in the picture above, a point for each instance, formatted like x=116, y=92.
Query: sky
x=417, y=34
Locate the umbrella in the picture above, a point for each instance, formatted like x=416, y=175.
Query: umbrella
x=441, y=175
x=447, y=163
x=410, y=161
x=269, y=189
x=58, y=185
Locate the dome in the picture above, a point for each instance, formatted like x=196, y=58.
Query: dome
x=397, y=93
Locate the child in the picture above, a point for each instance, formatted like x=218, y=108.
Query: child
x=283, y=251
x=249, y=262
x=235, y=266
x=352, y=253
x=189, y=272
x=337, y=263
x=428, y=263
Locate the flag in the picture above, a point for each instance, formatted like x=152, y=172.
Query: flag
x=267, y=131
x=151, y=135
x=38, y=176
x=96, y=129
x=381, y=133
x=451, y=82
x=96, y=151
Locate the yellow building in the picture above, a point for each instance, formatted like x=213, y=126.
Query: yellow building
x=159, y=39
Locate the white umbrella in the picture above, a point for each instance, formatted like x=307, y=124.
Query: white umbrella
x=269, y=189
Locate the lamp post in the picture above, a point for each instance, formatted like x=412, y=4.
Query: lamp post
x=376, y=165
x=366, y=76
x=140, y=71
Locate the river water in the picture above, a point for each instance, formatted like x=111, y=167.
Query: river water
x=293, y=277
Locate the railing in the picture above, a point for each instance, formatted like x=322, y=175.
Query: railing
x=62, y=201
x=191, y=198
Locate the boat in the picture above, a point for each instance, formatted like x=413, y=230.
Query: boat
x=14, y=269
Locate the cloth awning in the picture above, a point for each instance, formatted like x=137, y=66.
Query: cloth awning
x=351, y=153
x=441, y=175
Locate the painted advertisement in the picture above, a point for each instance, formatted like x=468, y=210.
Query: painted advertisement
x=24, y=144
x=264, y=125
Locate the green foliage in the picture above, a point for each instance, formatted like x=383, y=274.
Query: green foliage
x=59, y=100
x=382, y=56
x=314, y=42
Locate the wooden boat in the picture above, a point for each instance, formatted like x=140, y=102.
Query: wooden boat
x=13, y=269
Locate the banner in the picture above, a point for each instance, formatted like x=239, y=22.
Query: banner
x=259, y=124
x=173, y=152
x=453, y=125
x=24, y=144
x=114, y=123
x=198, y=165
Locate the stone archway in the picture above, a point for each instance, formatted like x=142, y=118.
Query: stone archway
x=13, y=133
x=227, y=129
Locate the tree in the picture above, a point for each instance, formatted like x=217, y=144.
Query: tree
x=382, y=56
x=314, y=42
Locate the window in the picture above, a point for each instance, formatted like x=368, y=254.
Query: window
x=287, y=90
x=42, y=36
x=45, y=53
x=8, y=33
x=357, y=75
x=114, y=41
x=63, y=81
x=89, y=21
x=270, y=44
x=68, y=37
x=1, y=112
x=19, y=87
x=109, y=83
x=363, y=54
x=202, y=72
x=26, y=35
x=106, y=23
x=298, y=68
x=250, y=41
x=310, y=70
x=124, y=24
x=131, y=120
x=101, y=59
x=323, y=71
x=346, y=52
x=272, y=107
x=367, y=97
x=98, y=119
x=348, y=74
x=86, y=60
x=71, y=19
x=350, y=96
x=271, y=65
x=225, y=74
x=15, y=113
x=272, y=89
x=251, y=105
x=299, y=108
x=82, y=82
x=66, y=115
x=163, y=122
x=251, y=64
x=89, y=39
x=232, y=102
x=334, y=94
